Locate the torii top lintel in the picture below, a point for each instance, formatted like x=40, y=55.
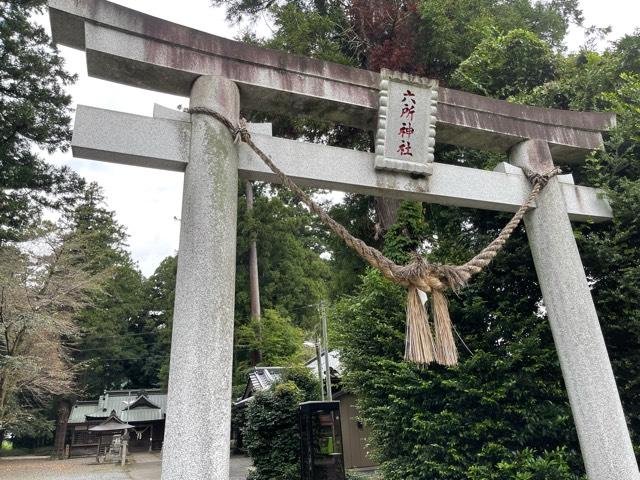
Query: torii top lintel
x=126, y=46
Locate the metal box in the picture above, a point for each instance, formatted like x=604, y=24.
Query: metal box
x=321, y=441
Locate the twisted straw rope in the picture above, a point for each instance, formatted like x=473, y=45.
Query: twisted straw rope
x=418, y=273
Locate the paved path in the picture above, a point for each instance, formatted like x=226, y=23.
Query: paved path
x=144, y=466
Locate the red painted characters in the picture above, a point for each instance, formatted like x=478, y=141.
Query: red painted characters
x=406, y=131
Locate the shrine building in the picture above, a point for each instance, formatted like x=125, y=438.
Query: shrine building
x=144, y=409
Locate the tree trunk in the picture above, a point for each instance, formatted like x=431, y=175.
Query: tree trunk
x=254, y=285
x=386, y=214
x=386, y=208
x=64, y=410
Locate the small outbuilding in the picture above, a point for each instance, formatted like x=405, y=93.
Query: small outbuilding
x=144, y=411
x=354, y=431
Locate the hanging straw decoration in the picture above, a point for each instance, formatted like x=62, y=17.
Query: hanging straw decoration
x=419, y=346
x=425, y=342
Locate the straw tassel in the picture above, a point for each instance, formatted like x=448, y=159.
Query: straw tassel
x=419, y=345
x=446, y=352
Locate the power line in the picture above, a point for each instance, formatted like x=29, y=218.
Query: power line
x=153, y=332
x=82, y=350
x=131, y=359
x=77, y=340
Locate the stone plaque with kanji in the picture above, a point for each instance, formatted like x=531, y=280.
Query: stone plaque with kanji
x=406, y=123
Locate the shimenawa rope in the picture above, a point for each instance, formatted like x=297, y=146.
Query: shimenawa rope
x=424, y=343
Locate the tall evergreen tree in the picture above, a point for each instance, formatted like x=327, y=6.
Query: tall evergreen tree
x=289, y=242
x=160, y=290
x=34, y=114
x=293, y=279
x=111, y=345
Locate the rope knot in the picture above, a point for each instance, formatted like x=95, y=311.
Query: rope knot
x=240, y=133
x=541, y=178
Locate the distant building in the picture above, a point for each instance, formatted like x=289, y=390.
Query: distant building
x=144, y=409
x=354, y=432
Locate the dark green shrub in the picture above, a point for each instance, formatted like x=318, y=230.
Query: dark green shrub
x=271, y=432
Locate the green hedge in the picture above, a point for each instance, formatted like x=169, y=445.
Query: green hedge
x=271, y=432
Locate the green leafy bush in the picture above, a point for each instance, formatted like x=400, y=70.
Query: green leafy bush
x=272, y=433
x=274, y=336
x=504, y=65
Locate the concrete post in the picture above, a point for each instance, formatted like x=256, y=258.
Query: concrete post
x=196, y=442
x=593, y=395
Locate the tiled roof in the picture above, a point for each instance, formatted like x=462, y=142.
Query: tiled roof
x=263, y=377
x=129, y=405
x=81, y=409
x=334, y=363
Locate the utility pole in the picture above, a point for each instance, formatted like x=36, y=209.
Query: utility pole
x=325, y=338
x=319, y=361
x=254, y=285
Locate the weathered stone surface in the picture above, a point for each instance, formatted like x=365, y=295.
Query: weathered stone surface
x=595, y=403
x=313, y=165
x=406, y=133
x=320, y=166
x=129, y=47
x=505, y=167
x=160, y=111
x=130, y=139
x=199, y=400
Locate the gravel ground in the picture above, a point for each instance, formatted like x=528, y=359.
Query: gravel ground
x=142, y=467
x=75, y=469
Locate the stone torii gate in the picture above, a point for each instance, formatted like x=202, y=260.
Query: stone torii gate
x=129, y=47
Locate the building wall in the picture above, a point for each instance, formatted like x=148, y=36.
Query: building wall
x=82, y=442
x=354, y=435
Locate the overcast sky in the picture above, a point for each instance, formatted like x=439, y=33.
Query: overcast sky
x=148, y=201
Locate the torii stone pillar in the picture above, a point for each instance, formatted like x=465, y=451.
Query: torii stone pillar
x=202, y=338
x=597, y=412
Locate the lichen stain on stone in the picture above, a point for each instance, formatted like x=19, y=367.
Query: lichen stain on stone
x=218, y=151
x=579, y=199
x=392, y=181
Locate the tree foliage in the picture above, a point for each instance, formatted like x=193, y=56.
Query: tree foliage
x=43, y=285
x=110, y=346
x=452, y=28
x=428, y=37
x=160, y=291
x=497, y=413
x=34, y=113
x=290, y=241
x=504, y=65
x=271, y=434
x=276, y=338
